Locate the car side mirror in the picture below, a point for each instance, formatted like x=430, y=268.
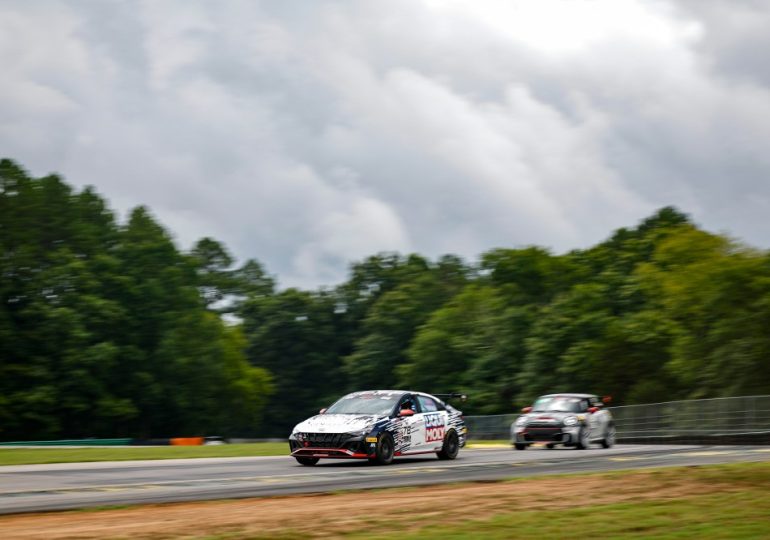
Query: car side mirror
x=593, y=409
x=526, y=410
x=322, y=411
x=406, y=412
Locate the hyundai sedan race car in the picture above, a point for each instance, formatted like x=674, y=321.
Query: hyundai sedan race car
x=575, y=420
x=379, y=425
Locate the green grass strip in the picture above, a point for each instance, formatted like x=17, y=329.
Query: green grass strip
x=744, y=514
x=734, y=504
x=29, y=456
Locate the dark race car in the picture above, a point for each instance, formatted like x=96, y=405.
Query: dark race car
x=570, y=419
x=379, y=425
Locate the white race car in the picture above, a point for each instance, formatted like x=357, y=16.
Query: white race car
x=378, y=425
x=569, y=419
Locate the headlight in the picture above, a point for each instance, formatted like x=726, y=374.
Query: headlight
x=521, y=420
x=570, y=421
x=297, y=436
x=360, y=432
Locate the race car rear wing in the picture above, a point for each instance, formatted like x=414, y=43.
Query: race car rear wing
x=445, y=397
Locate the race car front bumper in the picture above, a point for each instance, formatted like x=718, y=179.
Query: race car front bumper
x=330, y=445
x=557, y=434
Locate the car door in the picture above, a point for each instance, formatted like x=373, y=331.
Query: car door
x=412, y=427
x=591, y=420
x=435, y=423
x=597, y=420
x=601, y=418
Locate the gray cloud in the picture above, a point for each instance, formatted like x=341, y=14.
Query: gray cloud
x=311, y=135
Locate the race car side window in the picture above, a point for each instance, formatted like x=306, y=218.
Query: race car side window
x=427, y=404
x=408, y=402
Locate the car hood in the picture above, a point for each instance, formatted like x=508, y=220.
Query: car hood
x=548, y=416
x=337, y=423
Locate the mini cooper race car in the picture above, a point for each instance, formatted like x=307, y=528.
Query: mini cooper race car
x=378, y=425
x=569, y=419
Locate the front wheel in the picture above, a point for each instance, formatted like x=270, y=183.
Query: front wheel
x=307, y=461
x=451, y=446
x=584, y=439
x=384, y=451
x=520, y=446
x=609, y=437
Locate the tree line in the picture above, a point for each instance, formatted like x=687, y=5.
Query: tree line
x=108, y=329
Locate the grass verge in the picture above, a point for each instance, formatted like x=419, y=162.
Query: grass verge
x=716, y=502
x=29, y=456
x=730, y=515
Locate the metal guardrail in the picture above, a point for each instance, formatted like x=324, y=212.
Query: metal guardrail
x=719, y=420
x=490, y=427
x=732, y=419
x=698, y=417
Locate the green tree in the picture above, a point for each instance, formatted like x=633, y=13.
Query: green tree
x=392, y=320
x=212, y=262
x=716, y=293
x=293, y=335
x=528, y=276
x=473, y=344
x=102, y=328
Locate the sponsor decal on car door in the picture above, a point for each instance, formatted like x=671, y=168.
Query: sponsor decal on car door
x=435, y=429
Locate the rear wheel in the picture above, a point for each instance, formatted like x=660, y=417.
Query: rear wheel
x=451, y=446
x=385, y=449
x=520, y=446
x=609, y=437
x=308, y=461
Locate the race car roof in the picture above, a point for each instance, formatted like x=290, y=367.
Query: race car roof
x=570, y=395
x=389, y=392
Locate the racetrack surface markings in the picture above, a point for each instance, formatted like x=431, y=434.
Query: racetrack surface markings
x=46, y=487
x=319, y=472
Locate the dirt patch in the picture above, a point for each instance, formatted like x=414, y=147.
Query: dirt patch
x=336, y=514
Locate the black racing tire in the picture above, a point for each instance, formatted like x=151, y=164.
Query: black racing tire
x=307, y=461
x=609, y=438
x=520, y=446
x=584, y=439
x=451, y=446
x=384, y=451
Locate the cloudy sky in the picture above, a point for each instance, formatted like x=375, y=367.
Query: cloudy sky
x=311, y=134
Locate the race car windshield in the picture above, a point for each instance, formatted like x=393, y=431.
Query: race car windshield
x=557, y=404
x=364, y=404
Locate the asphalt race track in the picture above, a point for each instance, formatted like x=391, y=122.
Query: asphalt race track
x=30, y=488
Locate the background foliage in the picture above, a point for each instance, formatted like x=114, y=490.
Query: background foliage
x=108, y=329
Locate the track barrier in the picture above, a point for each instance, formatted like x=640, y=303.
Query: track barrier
x=732, y=420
